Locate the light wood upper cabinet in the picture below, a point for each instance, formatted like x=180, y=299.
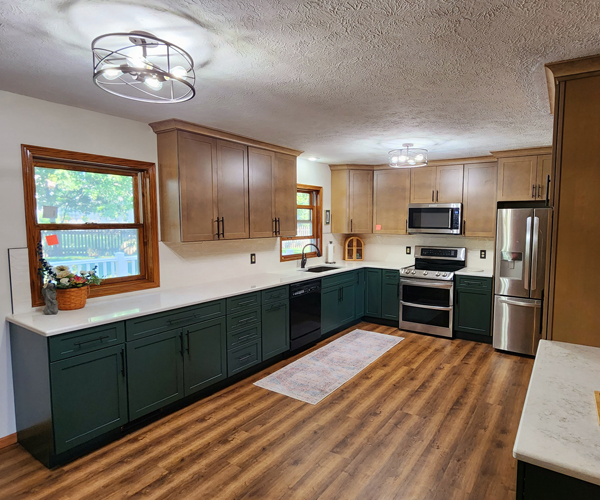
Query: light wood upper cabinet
x=284, y=184
x=479, y=200
x=449, y=184
x=352, y=201
x=544, y=169
x=261, y=168
x=422, y=184
x=517, y=178
x=443, y=184
x=391, y=193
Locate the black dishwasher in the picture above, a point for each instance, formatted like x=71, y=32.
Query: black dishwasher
x=305, y=313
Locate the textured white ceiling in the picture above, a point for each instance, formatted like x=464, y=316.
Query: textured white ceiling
x=342, y=80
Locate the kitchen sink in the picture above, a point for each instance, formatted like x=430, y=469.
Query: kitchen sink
x=320, y=269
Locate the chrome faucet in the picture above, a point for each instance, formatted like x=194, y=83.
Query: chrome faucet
x=303, y=261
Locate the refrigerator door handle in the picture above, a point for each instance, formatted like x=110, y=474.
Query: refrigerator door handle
x=527, y=263
x=535, y=251
x=518, y=302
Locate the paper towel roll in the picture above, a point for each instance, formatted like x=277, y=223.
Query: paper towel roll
x=329, y=252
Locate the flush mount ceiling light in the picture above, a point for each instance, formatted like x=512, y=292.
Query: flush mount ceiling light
x=142, y=67
x=313, y=158
x=408, y=157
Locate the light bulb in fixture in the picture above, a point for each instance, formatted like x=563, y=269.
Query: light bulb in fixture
x=419, y=157
x=179, y=72
x=394, y=159
x=403, y=158
x=112, y=72
x=312, y=158
x=153, y=83
x=411, y=162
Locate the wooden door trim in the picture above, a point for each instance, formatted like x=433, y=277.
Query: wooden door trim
x=176, y=124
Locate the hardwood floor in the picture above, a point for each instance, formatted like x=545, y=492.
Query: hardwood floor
x=431, y=419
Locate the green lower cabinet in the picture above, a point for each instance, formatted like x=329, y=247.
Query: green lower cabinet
x=205, y=358
x=373, y=293
x=359, y=294
x=89, y=396
x=154, y=372
x=390, y=295
x=330, y=298
x=346, y=305
x=473, y=309
x=275, y=329
x=243, y=357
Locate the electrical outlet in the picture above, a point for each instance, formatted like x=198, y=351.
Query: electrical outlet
x=407, y=250
x=482, y=254
x=252, y=258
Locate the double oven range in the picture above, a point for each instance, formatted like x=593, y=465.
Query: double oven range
x=427, y=290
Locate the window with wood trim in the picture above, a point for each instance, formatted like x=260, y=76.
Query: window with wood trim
x=308, y=223
x=87, y=211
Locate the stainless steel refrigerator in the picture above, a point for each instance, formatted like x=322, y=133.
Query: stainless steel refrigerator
x=521, y=257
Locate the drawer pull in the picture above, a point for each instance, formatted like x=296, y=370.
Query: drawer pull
x=245, y=320
x=245, y=357
x=99, y=339
x=275, y=307
x=180, y=320
x=246, y=302
x=246, y=337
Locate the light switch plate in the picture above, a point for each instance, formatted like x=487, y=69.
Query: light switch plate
x=482, y=254
x=407, y=250
x=252, y=258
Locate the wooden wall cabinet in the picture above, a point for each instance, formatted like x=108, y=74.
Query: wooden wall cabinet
x=479, y=200
x=391, y=193
x=436, y=184
x=352, y=201
x=524, y=178
x=215, y=185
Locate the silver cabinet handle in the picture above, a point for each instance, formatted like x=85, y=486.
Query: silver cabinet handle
x=421, y=306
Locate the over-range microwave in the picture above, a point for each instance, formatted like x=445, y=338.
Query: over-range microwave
x=434, y=218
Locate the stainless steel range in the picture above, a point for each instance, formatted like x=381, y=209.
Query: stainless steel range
x=427, y=290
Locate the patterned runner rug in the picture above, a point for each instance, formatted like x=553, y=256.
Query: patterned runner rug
x=316, y=375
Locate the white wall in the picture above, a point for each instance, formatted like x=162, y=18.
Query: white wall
x=40, y=123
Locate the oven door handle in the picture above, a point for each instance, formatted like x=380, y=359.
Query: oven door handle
x=421, y=306
x=429, y=284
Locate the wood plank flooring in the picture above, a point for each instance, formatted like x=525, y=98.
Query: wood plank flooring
x=431, y=419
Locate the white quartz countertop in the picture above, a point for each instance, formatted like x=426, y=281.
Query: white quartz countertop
x=559, y=427
x=475, y=271
x=103, y=310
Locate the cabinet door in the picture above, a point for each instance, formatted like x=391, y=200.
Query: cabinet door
x=449, y=184
x=361, y=201
x=390, y=295
x=275, y=329
x=391, y=193
x=373, y=293
x=346, y=307
x=359, y=294
x=89, y=396
x=473, y=311
x=261, y=164
x=232, y=186
x=284, y=184
x=479, y=204
x=517, y=178
x=544, y=169
x=330, y=318
x=154, y=372
x=205, y=358
x=422, y=184
x=197, y=185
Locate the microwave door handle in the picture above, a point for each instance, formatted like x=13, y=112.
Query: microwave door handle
x=527, y=264
x=534, y=252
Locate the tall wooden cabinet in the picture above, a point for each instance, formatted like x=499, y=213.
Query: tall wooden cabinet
x=351, y=200
x=524, y=177
x=437, y=184
x=391, y=193
x=214, y=185
x=479, y=200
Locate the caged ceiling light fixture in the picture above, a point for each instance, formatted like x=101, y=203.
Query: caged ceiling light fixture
x=407, y=158
x=142, y=67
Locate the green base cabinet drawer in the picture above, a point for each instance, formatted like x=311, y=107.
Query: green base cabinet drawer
x=243, y=302
x=205, y=358
x=243, y=357
x=275, y=329
x=275, y=294
x=89, y=396
x=241, y=337
x=81, y=341
x=243, y=319
x=154, y=372
x=155, y=323
x=338, y=279
x=474, y=282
